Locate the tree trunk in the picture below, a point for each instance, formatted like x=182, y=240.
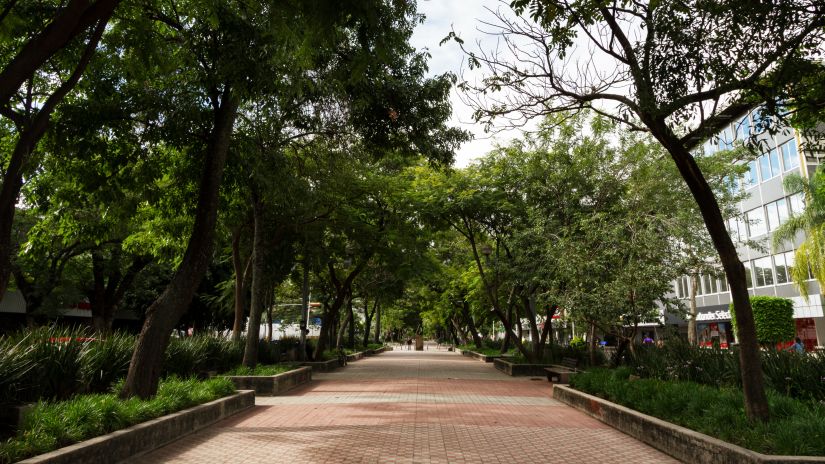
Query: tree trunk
x=591, y=343
x=694, y=310
x=753, y=384
x=239, y=291
x=368, y=316
x=465, y=313
x=258, y=303
x=351, y=318
x=377, y=322
x=31, y=132
x=458, y=332
x=323, y=336
x=162, y=316
x=344, y=324
x=302, y=347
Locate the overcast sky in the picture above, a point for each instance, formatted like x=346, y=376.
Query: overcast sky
x=461, y=16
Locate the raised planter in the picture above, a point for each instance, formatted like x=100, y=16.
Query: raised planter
x=376, y=351
x=484, y=357
x=682, y=443
x=272, y=385
x=147, y=436
x=11, y=416
x=516, y=370
x=355, y=356
x=323, y=366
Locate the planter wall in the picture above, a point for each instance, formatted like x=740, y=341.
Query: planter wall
x=355, y=356
x=272, y=385
x=484, y=357
x=683, y=444
x=11, y=417
x=323, y=366
x=147, y=436
x=516, y=370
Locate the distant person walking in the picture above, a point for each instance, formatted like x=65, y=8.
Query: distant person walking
x=409, y=343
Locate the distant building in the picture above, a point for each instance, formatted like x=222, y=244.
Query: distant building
x=764, y=209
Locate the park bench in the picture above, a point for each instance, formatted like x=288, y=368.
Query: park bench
x=560, y=373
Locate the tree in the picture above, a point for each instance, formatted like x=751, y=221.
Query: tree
x=658, y=68
x=810, y=255
x=30, y=109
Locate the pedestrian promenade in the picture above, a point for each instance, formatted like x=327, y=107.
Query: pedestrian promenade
x=404, y=406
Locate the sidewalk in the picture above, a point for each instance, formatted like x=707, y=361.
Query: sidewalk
x=411, y=407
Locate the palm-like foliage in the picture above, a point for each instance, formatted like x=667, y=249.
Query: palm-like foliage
x=811, y=253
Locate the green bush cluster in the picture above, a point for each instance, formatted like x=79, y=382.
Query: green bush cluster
x=58, y=363
x=202, y=353
x=262, y=369
x=796, y=427
x=773, y=318
x=51, y=425
x=800, y=376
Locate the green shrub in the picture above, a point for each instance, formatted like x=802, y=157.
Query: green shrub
x=796, y=427
x=105, y=361
x=262, y=369
x=773, y=318
x=578, y=343
x=51, y=425
x=787, y=372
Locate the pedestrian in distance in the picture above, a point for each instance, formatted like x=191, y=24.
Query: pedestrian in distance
x=797, y=346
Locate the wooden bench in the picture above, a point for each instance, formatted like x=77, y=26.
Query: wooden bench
x=560, y=373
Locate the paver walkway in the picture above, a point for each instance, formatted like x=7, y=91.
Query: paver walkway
x=411, y=407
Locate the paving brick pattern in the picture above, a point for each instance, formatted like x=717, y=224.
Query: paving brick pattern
x=411, y=407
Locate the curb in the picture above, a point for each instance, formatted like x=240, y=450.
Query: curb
x=488, y=358
x=323, y=366
x=147, y=436
x=272, y=385
x=681, y=443
x=515, y=370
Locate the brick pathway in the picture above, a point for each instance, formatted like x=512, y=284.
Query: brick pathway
x=411, y=407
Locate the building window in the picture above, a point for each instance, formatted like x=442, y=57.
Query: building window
x=777, y=213
x=725, y=140
x=797, y=203
x=733, y=184
x=709, y=284
x=723, y=284
x=743, y=129
x=789, y=262
x=763, y=271
x=748, y=275
x=709, y=148
x=756, y=222
x=783, y=274
x=750, y=178
x=790, y=156
x=769, y=165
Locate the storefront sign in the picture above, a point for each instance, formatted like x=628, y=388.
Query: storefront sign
x=714, y=316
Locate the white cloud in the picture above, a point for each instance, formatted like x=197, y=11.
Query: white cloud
x=463, y=17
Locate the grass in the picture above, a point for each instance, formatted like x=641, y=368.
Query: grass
x=797, y=427
x=53, y=425
x=262, y=370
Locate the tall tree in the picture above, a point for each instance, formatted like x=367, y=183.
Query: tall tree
x=30, y=108
x=679, y=70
